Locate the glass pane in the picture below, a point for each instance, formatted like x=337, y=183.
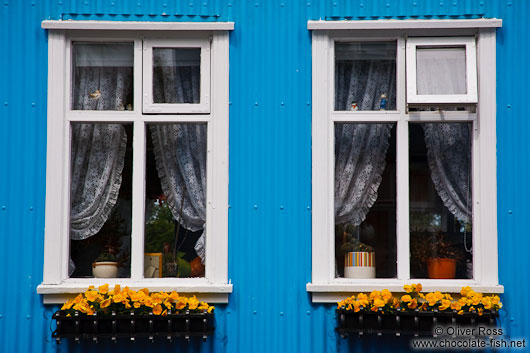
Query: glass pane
x=365, y=76
x=441, y=231
x=175, y=211
x=100, y=200
x=441, y=70
x=365, y=200
x=176, y=75
x=102, y=76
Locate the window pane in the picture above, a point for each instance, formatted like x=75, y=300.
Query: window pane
x=440, y=200
x=176, y=75
x=365, y=76
x=102, y=76
x=175, y=211
x=100, y=200
x=365, y=200
x=441, y=70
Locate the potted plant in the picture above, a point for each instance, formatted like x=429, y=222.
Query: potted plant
x=435, y=254
x=112, y=257
x=359, y=258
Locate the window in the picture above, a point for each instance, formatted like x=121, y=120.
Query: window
x=403, y=159
x=137, y=160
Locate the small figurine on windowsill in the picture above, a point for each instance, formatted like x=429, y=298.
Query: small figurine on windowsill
x=354, y=106
x=383, y=102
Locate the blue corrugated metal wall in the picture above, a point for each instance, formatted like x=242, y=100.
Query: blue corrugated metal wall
x=270, y=165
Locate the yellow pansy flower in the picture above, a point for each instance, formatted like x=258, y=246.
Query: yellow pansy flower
x=210, y=309
x=105, y=303
x=406, y=298
x=157, y=310
x=183, y=301
x=413, y=304
x=67, y=305
x=375, y=294
x=174, y=296
x=91, y=295
x=386, y=294
x=445, y=304
x=78, y=299
x=104, y=288
x=136, y=305
x=193, y=303
x=117, y=298
x=408, y=288
x=465, y=290
x=417, y=287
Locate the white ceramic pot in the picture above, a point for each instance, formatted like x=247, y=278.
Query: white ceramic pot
x=105, y=269
x=359, y=264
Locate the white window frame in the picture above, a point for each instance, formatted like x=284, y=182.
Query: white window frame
x=56, y=285
x=324, y=286
x=166, y=108
x=469, y=43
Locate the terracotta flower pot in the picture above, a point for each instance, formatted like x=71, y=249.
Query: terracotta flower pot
x=441, y=268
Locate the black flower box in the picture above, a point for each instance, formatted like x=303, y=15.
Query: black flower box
x=417, y=323
x=131, y=326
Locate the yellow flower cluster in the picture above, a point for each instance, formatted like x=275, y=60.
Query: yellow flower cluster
x=414, y=299
x=102, y=300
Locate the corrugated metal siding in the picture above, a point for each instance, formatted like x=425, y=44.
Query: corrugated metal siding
x=270, y=166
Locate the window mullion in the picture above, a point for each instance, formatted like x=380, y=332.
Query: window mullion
x=402, y=195
x=138, y=201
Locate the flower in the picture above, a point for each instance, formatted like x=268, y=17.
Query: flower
x=117, y=298
x=445, y=304
x=406, y=298
x=408, y=288
x=210, y=309
x=386, y=294
x=413, y=304
x=104, y=288
x=91, y=295
x=183, y=301
x=105, y=303
x=157, y=310
x=193, y=303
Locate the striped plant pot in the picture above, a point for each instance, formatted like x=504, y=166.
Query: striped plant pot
x=359, y=264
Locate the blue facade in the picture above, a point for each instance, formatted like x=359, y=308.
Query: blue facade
x=270, y=166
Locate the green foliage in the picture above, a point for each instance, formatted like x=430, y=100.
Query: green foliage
x=159, y=228
x=350, y=243
x=105, y=257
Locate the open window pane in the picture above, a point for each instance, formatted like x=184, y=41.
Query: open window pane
x=441, y=70
x=102, y=76
x=441, y=200
x=176, y=75
x=175, y=212
x=365, y=200
x=100, y=200
x=365, y=76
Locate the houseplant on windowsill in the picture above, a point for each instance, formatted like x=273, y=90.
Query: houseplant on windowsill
x=359, y=258
x=112, y=257
x=435, y=253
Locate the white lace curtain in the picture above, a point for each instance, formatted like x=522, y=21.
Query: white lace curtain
x=98, y=150
x=360, y=149
x=449, y=158
x=180, y=149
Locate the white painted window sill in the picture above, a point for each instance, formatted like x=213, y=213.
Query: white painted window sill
x=343, y=288
x=211, y=293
